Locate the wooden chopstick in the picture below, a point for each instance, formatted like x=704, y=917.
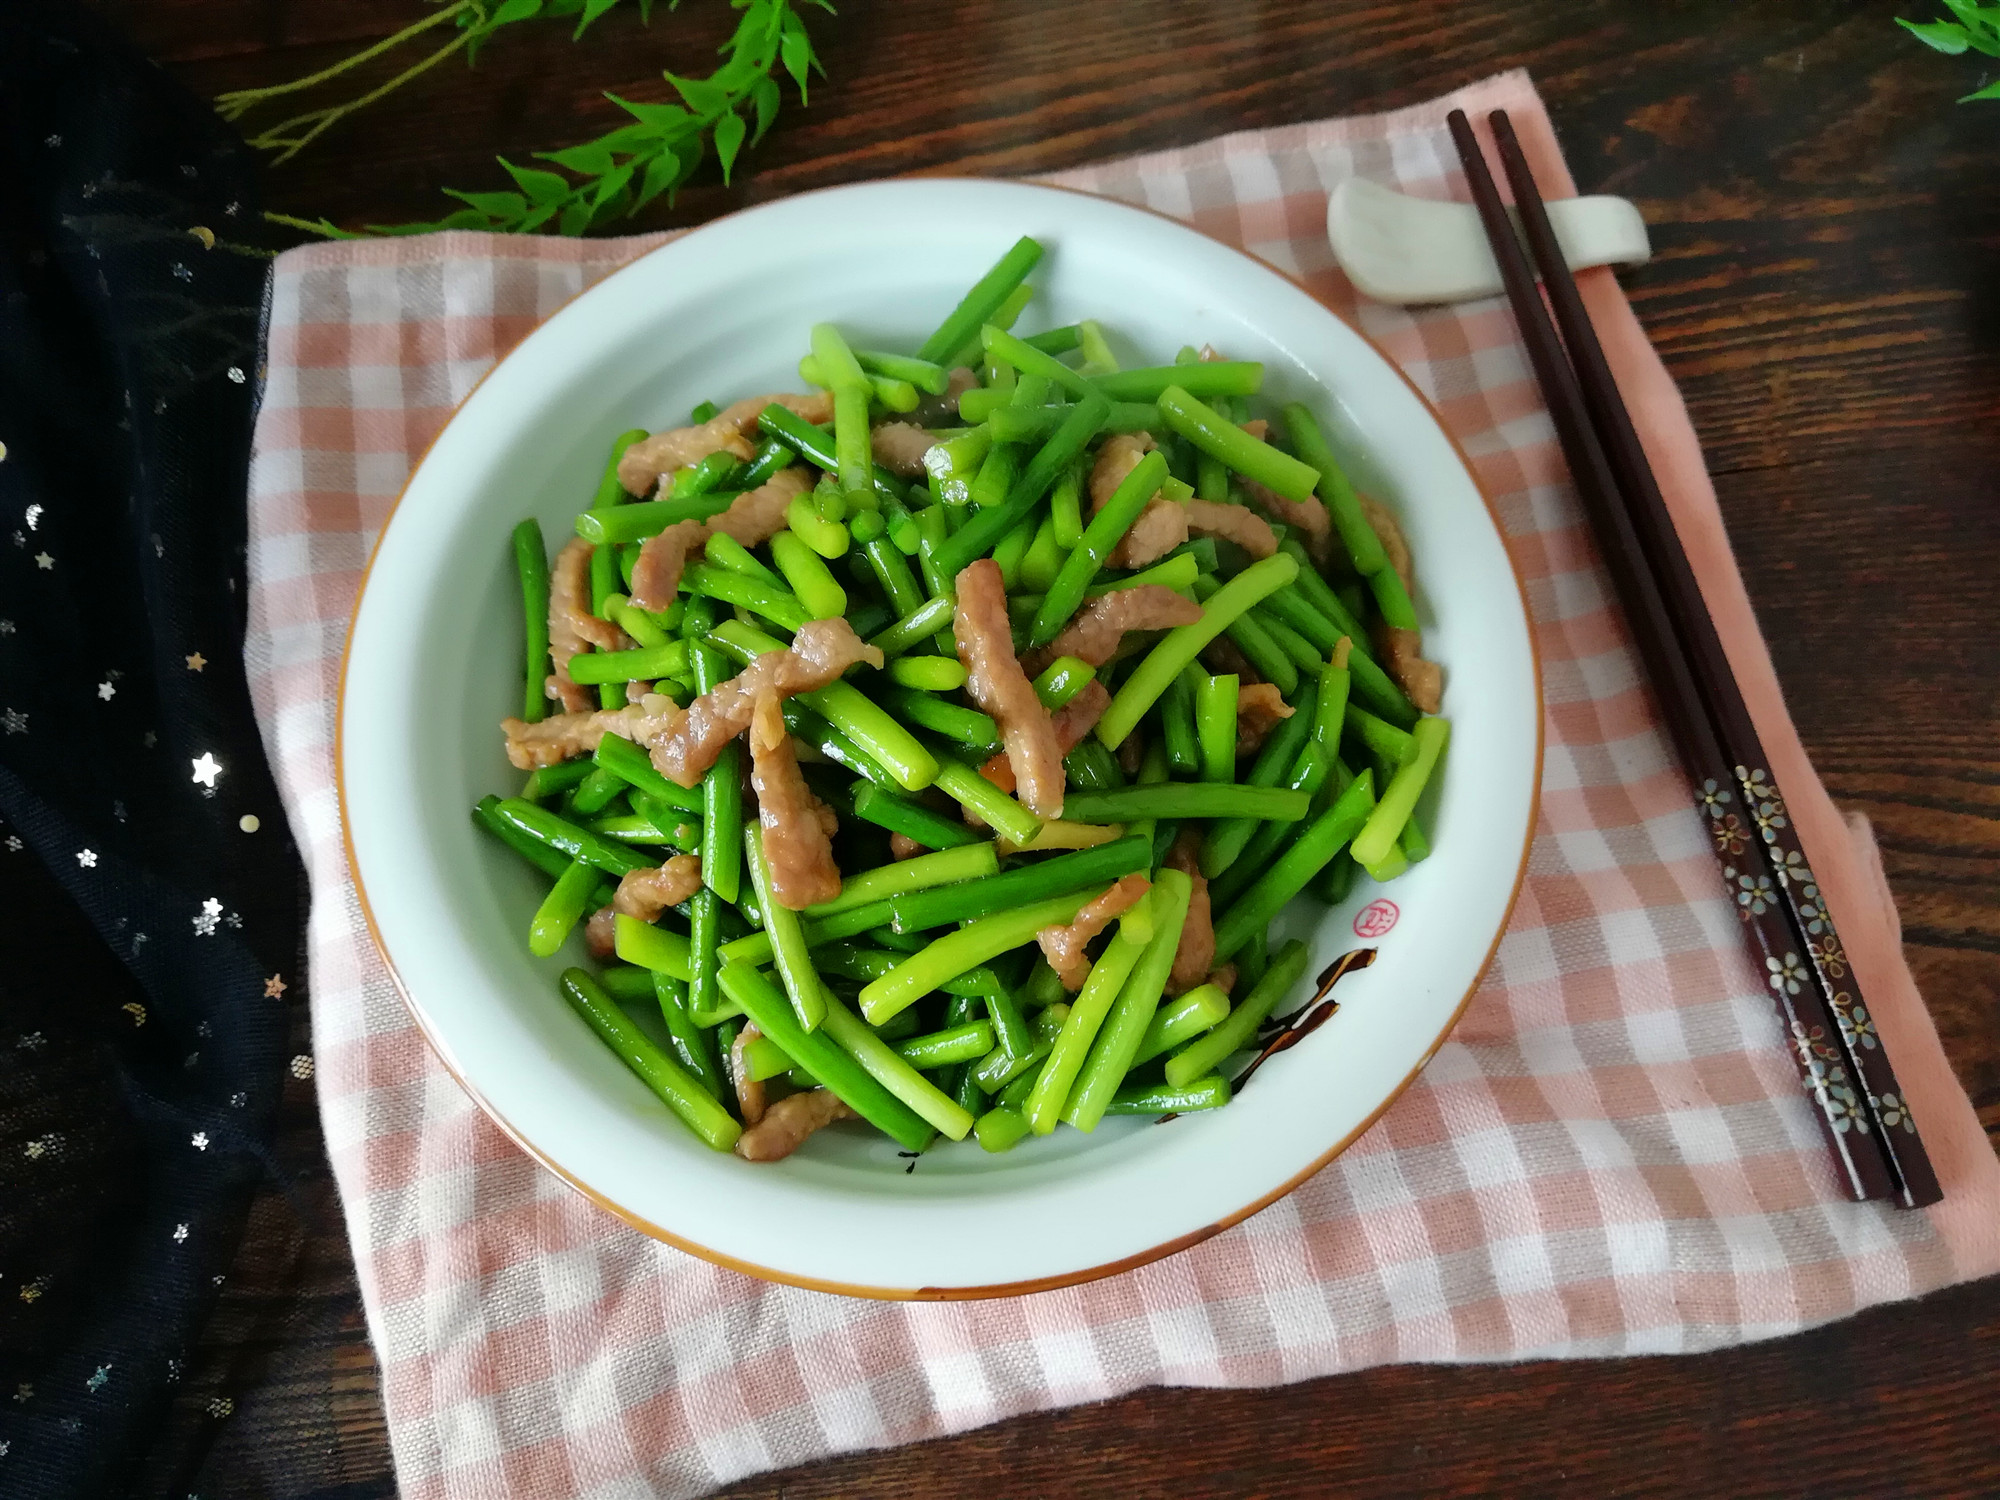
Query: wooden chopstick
x=1850, y=1125
x=1761, y=798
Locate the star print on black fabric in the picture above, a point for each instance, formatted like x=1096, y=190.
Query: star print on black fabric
x=106, y=691
x=44, y=561
x=275, y=987
x=199, y=1140
x=97, y=1380
x=6, y=627
x=211, y=913
x=196, y=662
x=180, y=1234
x=207, y=769
x=14, y=721
x=33, y=516
x=87, y=858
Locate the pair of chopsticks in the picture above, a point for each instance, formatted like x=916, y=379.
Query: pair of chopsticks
x=1841, y=1057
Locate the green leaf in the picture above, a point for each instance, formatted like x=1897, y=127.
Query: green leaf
x=536, y=218
x=703, y=97
x=590, y=159
x=663, y=173
x=541, y=187
x=1991, y=91
x=592, y=9
x=764, y=95
x=1981, y=22
x=1947, y=36
x=665, y=118
x=511, y=11
x=798, y=55
x=493, y=205
x=729, y=132
x=575, y=218
x=611, y=185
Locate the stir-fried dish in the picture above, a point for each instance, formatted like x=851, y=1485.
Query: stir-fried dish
x=936, y=746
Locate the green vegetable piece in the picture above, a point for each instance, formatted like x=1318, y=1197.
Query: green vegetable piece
x=914, y=821
x=1211, y=1092
x=561, y=909
x=1000, y=1130
x=1207, y=379
x=1364, y=548
x=958, y=951
x=929, y=674
x=1239, y=1030
x=545, y=827
x=1181, y=1019
x=1178, y=799
x=1051, y=1093
x=1253, y=459
x=531, y=561
x=996, y=894
x=1215, y=725
x=681, y=1091
x=1117, y=1045
x=1287, y=875
x=1182, y=644
x=980, y=303
x=1104, y=532
x=1065, y=445
x=788, y=942
x=1399, y=799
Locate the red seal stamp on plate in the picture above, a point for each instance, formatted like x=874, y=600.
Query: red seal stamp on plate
x=1376, y=918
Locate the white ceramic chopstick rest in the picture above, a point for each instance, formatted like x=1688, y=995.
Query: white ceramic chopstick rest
x=1396, y=248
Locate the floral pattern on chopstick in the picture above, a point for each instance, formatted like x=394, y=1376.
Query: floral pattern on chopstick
x=1826, y=1078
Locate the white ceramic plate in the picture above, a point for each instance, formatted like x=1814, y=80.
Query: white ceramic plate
x=723, y=313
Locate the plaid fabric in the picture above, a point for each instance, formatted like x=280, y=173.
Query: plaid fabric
x=1610, y=1155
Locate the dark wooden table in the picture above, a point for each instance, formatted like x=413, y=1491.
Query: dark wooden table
x=1826, y=289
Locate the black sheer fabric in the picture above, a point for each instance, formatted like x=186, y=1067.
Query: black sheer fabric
x=151, y=903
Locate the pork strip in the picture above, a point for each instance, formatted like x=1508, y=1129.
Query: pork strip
x=686, y=742
x=749, y=1091
x=572, y=626
x=562, y=737
x=600, y=934
x=752, y=517
x=1063, y=945
x=1235, y=523
x=1382, y=521
x=1095, y=631
x=795, y=842
x=656, y=576
x=1196, y=951
x=1403, y=659
x=730, y=430
x=1308, y=517
x=900, y=447
x=1071, y=722
x=646, y=893
x=998, y=685
x=1260, y=708
x=787, y=1123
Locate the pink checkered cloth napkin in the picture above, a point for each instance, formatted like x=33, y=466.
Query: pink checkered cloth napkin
x=1611, y=1155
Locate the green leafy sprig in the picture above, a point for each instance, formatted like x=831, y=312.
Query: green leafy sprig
x=1976, y=29
x=613, y=176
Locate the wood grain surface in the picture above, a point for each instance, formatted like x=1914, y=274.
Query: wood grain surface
x=1825, y=290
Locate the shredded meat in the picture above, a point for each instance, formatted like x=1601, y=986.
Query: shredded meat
x=1197, y=945
x=752, y=517
x=1260, y=708
x=1382, y=521
x=730, y=430
x=1071, y=722
x=1118, y=457
x=902, y=846
x=1258, y=428
x=686, y=742
x=600, y=934
x=1308, y=517
x=571, y=624
x=757, y=515
x=749, y=1091
x=788, y=1122
x=1403, y=659
x=900, y=447
x=1131, y=752
x=998, y=685
x=795, y=839
x=942, y=411
x=1235, y=523
x=1095, y=631
x=657, y=574
x=1064, y=945
x=1222, y=655
x=1161, y=527
x=646, y=893
x=1223, y=978
x=562, y=737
